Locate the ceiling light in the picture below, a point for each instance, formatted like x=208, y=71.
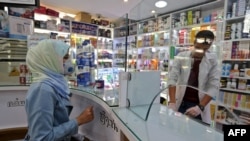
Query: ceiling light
x=153, y=11
x=125, y=0
x=161, y=4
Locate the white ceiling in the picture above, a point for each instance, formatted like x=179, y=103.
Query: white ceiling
x=113, y=9
x=143, y=10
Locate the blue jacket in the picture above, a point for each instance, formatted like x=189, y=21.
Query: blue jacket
x=48, y=115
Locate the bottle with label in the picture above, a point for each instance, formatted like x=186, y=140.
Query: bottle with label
x=236, y=71
x=228, y=83
x=233, y=84
x=242, y=70
x=242, y=84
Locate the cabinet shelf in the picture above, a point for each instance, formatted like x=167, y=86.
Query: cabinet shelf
x=12, y=39
x=105, y=38
x=236, y=77
x=233, y=107
x=183, y=45
x=155, y=32
x=105, y=60
x=123, y=37
x=195, y=25
x=165, y=46
x=240, y=40
x=41, y=30
x=222, y=122
x=235, y=18
x=235, y=90
x=44, y=16
x=236, y=60
x=12, y=59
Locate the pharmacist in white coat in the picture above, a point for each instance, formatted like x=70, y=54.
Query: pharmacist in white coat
x=195, y=68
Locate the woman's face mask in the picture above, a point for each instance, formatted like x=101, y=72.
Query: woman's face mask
x=69, y=67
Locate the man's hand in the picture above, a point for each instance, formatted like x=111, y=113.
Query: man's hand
x=172, y=106
x=193, y=111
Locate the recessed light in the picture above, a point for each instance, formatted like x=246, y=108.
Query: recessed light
x=153, y=11
x=125, y=0
x=161, y=4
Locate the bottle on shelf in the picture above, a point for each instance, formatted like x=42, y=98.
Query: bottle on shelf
x=242, y=70
x=228, y=83
x=246, y=28
x=235, y=71
x=233, y=84
x=242, y=84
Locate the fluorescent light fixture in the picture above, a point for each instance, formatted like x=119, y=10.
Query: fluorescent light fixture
x=153, y=11
x=161, y=4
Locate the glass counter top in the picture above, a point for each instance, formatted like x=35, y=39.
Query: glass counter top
x=110, y=96
x=164, y=124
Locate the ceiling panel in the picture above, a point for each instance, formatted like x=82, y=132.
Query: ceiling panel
x=107, y=8
x=113, y=9
x=144, y=8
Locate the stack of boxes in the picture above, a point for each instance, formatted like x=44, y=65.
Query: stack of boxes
x=195, y=17
x=235, y=100
x=236, y=50
x=25, y=76
x=64, y=26
x=85, y=58
x=238, y=9
x=241, y=7
x=234, y=31
x=164, y=23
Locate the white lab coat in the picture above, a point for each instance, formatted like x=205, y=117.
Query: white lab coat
x=208, y=78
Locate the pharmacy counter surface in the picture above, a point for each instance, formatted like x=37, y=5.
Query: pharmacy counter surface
x=111, y=123
x=164, y=124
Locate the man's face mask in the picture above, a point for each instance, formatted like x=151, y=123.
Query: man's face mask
x=69, y=67
x=205, y=41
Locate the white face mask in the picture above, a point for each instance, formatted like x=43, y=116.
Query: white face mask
x=199, y=50
x=68, y=66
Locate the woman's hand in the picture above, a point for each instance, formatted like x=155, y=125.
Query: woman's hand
x=86, y=116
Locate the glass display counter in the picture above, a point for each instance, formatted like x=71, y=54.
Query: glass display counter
x=110, y=97
x=166, y=125
x=154, y=121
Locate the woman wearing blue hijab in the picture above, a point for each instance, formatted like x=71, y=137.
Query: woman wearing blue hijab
x=47, y=102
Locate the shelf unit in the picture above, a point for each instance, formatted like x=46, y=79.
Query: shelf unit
x=176, y=31
x=234, y=98
x=186, y=23
x=12, y=57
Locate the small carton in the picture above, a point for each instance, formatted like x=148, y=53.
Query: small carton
x=247, y=72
